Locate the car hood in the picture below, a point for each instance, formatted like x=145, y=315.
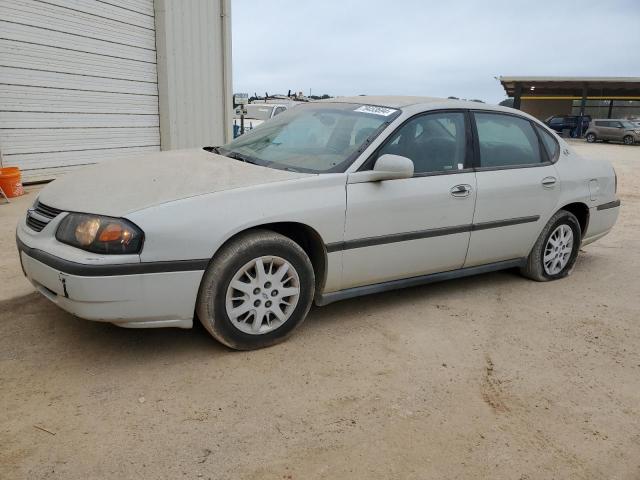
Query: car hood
x=117, y=187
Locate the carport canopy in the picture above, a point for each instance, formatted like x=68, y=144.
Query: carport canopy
x=571, y=88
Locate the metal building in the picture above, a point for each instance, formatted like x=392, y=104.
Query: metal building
x=82, y=81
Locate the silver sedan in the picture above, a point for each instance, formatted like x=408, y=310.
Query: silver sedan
x=327, y=201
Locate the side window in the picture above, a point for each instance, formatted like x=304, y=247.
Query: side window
x=435, y=142
x=506, y=140
x=278, y=110
x=601, y=124
x=550, y=144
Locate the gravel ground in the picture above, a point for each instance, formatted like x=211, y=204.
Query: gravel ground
x=487, y=377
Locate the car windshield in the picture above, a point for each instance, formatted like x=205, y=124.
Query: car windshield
x=628, y=125
x=314, y=138
x=258, y=112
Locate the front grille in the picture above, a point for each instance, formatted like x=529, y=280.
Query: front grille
x=35, y=224
x=40, y=215
x=46, y=211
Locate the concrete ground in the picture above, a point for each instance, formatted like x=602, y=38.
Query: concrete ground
x=487, y=377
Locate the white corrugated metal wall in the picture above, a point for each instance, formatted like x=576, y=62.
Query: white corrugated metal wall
x=78, y=83
x=194, y=72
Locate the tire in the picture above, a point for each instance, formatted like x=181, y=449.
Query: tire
x=535, y=267
x=628, y=140
x=591, y=137
x=216, y=298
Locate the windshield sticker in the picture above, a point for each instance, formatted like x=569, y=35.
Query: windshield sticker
x=384, y=111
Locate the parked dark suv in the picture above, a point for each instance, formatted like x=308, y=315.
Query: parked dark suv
x=561, y=122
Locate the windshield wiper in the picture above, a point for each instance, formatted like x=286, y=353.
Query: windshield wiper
x=241, y=157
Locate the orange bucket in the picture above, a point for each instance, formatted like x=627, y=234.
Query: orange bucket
x=10, y=181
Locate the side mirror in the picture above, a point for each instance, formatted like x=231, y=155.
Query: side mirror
x=387, y=167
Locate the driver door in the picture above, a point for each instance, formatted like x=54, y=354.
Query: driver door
x=410, y=227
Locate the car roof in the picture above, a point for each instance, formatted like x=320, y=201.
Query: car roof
x=399, y=101
x=268, y=104
x=383, y=100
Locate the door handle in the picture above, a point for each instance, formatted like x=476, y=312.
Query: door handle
x=462, y=190
x=549, y=182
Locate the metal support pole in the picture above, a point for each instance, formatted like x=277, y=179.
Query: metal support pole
x=516, y=96
x=609, y=113
x=583, y=104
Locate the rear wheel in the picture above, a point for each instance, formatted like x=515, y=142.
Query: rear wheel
x=628, y=140
x=591, y=137
x=256, y=291
x=556, y=250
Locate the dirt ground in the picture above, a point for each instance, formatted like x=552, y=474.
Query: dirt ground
x=487, y=377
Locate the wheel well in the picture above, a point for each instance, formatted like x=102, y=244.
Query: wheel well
x=581, y=211
x=308, y=239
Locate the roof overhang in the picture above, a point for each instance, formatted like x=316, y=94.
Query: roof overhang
x=597, y=88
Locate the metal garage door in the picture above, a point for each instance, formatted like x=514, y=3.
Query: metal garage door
x=78, y=83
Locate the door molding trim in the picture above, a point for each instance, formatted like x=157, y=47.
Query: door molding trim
x=606, y=206
x=327, y=298
x=420, y=234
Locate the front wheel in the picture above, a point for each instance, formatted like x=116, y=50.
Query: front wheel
x=556, y=250
x=628, y=140
x=256, y=291
x=591, y=137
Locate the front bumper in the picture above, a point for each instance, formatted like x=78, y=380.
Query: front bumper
x=97, y=292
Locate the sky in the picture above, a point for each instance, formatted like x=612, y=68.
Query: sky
x=430, y=48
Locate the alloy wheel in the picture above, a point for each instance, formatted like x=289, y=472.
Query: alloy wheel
x=262, y=295
x=558, y=249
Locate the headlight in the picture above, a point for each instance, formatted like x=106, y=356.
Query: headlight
x=99, y=234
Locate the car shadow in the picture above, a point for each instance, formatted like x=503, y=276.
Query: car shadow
x=32, y=323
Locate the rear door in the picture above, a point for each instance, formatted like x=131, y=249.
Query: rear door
x=518, y=188
x=609, y=130
x=617, y=130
